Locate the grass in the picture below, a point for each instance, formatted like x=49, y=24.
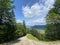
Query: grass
x=29, y=36
x=42, y=31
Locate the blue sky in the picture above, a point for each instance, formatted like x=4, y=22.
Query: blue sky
x=32, y=11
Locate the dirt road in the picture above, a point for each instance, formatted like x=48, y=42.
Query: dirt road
x=25, y=41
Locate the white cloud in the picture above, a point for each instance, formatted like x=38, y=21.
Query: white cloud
x=33, y=11
x=49, y=3
x=37, y=9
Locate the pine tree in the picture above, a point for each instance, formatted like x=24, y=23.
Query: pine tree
x=24, y=26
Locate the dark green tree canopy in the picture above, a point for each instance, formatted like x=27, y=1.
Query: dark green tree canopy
x=7, y=20
x=53, y=22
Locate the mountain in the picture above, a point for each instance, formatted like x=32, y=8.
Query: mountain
x=39, y=26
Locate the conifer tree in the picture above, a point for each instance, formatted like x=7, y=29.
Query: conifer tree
x=24, y=26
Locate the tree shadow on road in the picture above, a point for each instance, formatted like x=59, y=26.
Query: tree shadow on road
x=15, y=41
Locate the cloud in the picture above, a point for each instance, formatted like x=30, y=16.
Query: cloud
x=36, y=22
x=38, y=11
x=33, y=11
x=38, y=8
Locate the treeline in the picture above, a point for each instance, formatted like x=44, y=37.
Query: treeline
x=21, y=29
x=7, y=21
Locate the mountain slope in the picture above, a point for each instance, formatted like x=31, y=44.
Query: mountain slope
x=39, y=26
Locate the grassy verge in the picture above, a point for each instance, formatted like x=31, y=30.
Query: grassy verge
x=29, y=36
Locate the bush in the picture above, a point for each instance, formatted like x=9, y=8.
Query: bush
x=37, y=34
x=29, y=36
x=52, y=32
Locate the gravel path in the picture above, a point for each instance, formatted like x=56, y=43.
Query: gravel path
x=25, y=41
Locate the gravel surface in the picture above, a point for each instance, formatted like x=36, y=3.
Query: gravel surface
x=25, y=41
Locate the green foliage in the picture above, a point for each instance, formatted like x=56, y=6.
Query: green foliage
x=57, y=2
x=37, y=34
x=51, y=32
x=29, y=36
x=21, y=29
x=7, y=21
x=53, y=22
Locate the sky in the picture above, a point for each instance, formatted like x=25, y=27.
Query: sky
x=32, y=11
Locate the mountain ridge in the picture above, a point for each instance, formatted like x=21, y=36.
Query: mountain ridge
x=39, y=26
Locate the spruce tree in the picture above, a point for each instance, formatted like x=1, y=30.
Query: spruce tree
x=24, y=26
